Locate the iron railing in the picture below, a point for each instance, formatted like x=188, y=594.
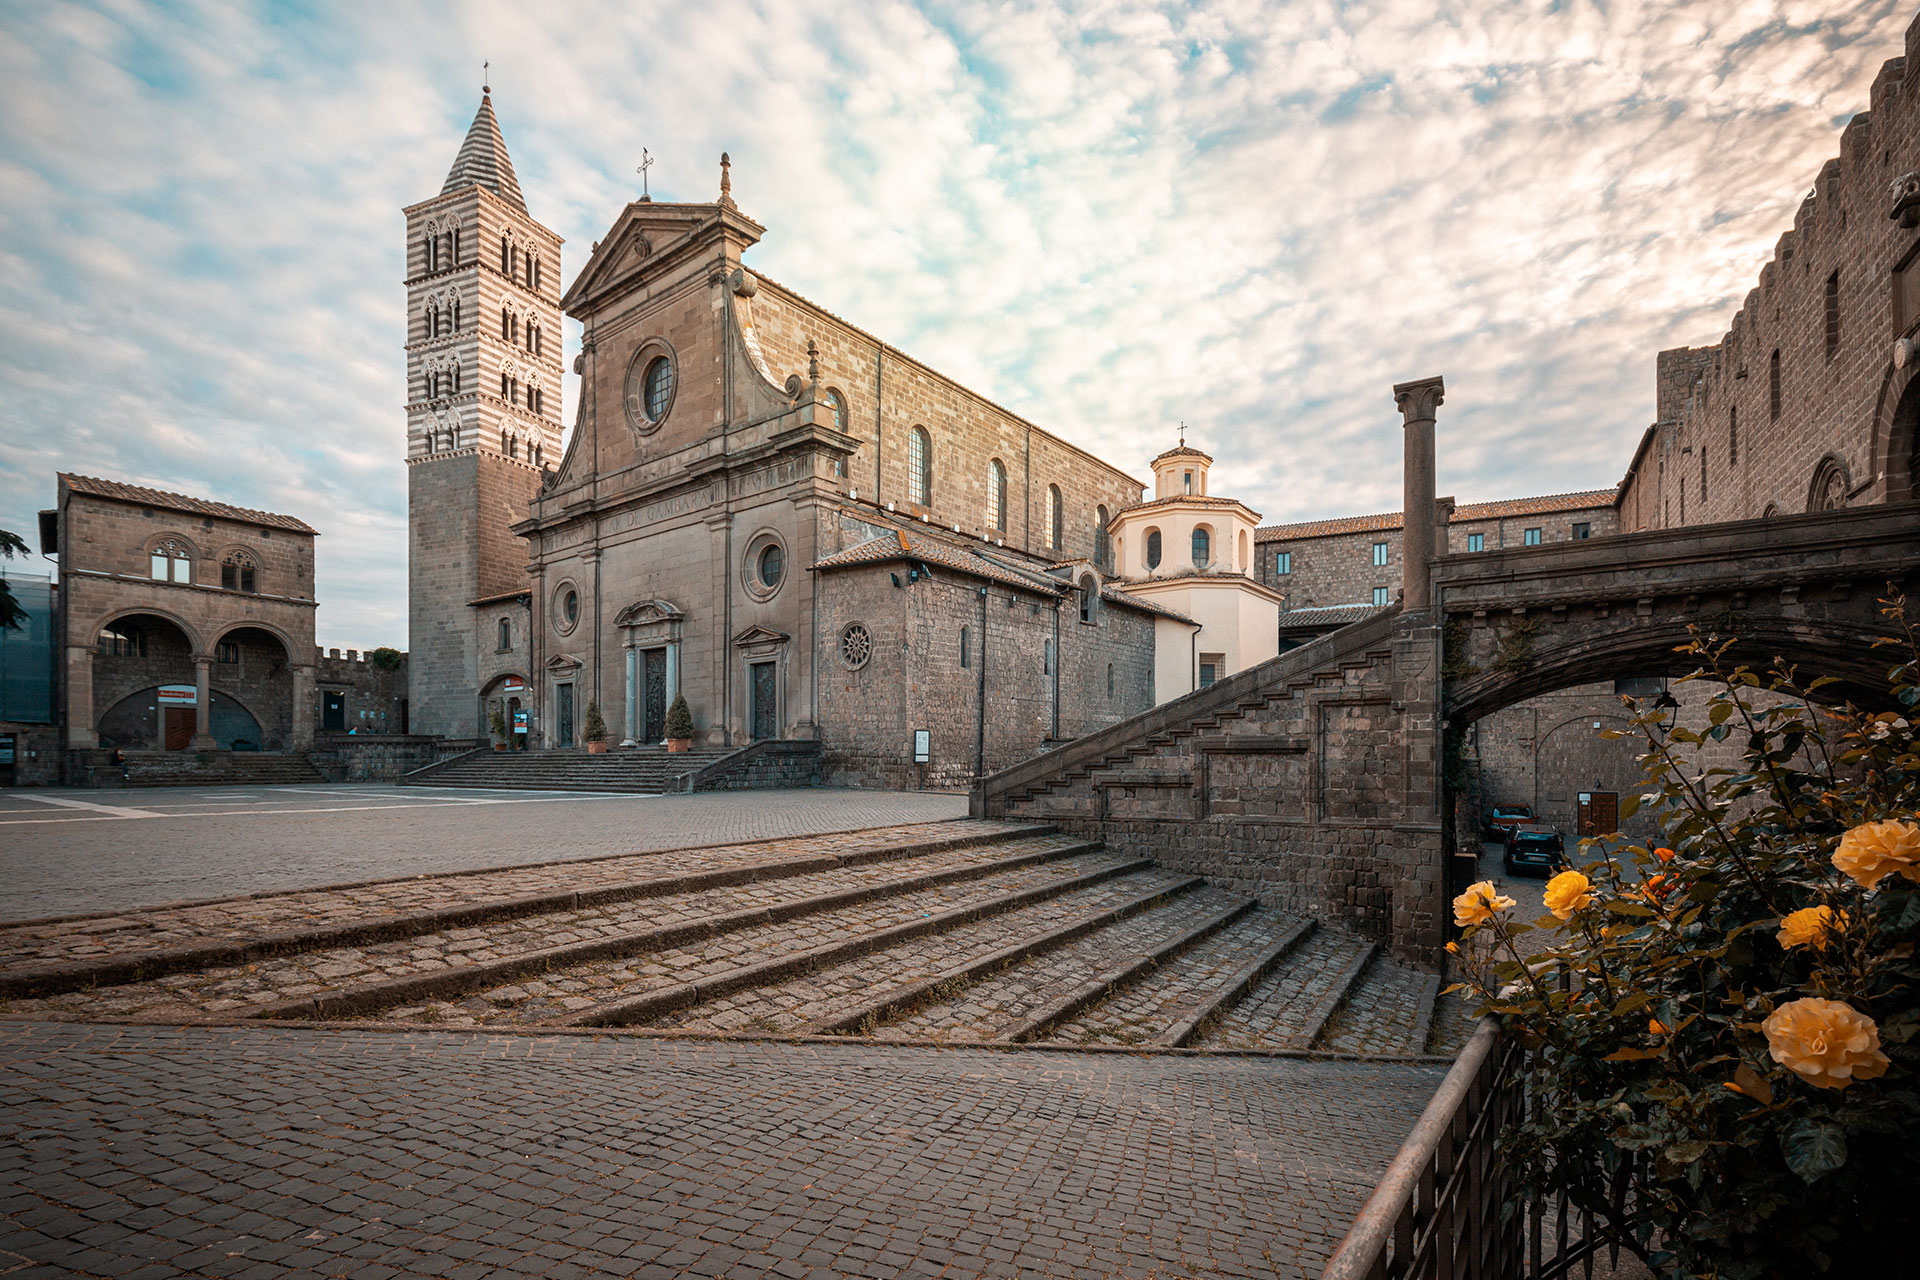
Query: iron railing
x=1446, y=1208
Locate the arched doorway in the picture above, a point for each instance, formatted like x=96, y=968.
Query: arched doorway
x=143, y=675
x=251, y=681
x=509, y=697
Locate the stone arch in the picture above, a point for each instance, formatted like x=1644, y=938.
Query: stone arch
x=131, y=611
x=226, y=629
x=1896, y=432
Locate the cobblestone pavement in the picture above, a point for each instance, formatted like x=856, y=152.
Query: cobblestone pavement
x=281, y=1151
x=230, y=989
x=63, y=852
x=243, y=919
x=1279, y=1013
x=1145, y=1010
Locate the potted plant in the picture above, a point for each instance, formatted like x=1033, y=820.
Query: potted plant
x=594, y=730
x=679, y=725
x=497, y=726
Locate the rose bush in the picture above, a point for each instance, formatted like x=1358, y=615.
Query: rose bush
x=1720, y=1029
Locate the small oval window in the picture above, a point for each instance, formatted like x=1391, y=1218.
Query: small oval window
x=571, y=607
x=1153, y=549
x=659, y=387
x=772, y=564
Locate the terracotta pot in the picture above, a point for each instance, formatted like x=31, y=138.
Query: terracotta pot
x=499, y=746
x=679, y=744
x=597, y=747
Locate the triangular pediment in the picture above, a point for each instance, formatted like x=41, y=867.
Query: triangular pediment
x=562, y=662
x=651, y=236
x=761, y=635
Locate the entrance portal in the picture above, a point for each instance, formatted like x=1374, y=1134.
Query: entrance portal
x=333, y=711
x=563, y=714
x=766, y=711
x=653, y=715
x=180, y=725
x=1599, y=814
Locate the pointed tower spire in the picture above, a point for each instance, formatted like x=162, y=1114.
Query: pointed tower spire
x=483, y=159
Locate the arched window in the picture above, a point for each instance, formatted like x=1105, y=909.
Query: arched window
x=503, y=386
x=456, y=315
x=1102, y=548
x=506, y=262
x=966, y=648
x=1153, y=549
x=432, y=255
x=1202, y=547
x=537, y=451
x=454, y=240
x=506, y=635
x=1773, y=383
x=1056, y=518
x=919, y=467
x=172, y=561
x=238, y=572
x=505, y=325
x=456, y=377
x=533, y=270
x=838, y=404
x=1089, y=597
x=996, y=494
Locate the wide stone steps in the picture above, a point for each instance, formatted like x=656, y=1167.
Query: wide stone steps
x=962, y=932
x=237, y=769
x=641, y=769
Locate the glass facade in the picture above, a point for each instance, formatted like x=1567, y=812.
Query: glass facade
x=26, y=655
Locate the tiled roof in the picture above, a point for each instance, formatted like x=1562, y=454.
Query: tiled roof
x=180, y=502
x=1591, y=498
x=500, y=597
x=1327, y=615
x=1119, y=597
x=897, y=544
x=483, y=160
x=1185, y=451
x=1193, y=499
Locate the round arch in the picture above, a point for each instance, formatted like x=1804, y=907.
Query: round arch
x=228, y=628
x=1833, y=649
x=134, y=611
x=1896, y=433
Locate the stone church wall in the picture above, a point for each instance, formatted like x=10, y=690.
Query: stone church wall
x=1842, y=286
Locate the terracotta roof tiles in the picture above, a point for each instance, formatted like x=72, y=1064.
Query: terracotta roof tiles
x=142, y=496
x=1591, y=498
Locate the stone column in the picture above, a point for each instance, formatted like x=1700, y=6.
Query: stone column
x=300, y=738
x=633, y=709
x=80, y=696
x=202, y=702
x=1417, y=402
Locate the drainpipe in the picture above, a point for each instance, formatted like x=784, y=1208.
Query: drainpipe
x=1058, y=658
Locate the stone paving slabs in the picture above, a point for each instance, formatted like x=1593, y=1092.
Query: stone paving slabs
x=282, y=1151
x=78, y=853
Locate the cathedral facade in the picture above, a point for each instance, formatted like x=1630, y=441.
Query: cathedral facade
x=799, y=528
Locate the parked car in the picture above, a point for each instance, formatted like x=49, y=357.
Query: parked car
x=1531, y=845
x=1503, y=816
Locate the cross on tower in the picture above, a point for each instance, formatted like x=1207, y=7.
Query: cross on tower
x=486, y=77
x=646, y=163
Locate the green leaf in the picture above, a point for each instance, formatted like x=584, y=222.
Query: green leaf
x=1814, y=1148
x=1638, y=1000
x=1719, y=713
x=1620, y=908
x=1685, y=1152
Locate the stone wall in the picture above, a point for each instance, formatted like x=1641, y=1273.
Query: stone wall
x=1544, y=752
x=1803, y=403
x=36, y=761
x=376, y=696
x=764, y=765
x=382, y=757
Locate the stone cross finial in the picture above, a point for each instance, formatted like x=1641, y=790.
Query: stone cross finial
x=726, y=180
x=813, y=362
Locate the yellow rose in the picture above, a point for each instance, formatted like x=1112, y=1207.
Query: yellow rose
x=1875, y=850
x=1479, y=904
x=1567, y=893
x=1829, y=1043
x=1453, y=948
x=1810, y=927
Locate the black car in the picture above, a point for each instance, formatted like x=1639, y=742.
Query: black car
x=1534, y=846
x=1504, y=817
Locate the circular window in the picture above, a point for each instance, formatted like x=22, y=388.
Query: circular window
x=763, y=565
x=566, y=607
x=856, y=647
x=773, y=562
x=650, y=385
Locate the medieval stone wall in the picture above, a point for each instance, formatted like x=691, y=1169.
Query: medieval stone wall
x=376, y=696
x=1802, y=404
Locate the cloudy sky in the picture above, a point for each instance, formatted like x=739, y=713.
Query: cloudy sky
x=1108, y=216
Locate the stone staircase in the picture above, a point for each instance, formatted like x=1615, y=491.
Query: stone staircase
x=651, y=770
x=961, y=932
x=216, y=769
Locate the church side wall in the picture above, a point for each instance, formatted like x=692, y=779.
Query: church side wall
x=442, y=576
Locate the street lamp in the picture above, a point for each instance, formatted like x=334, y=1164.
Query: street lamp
x=1668, y=709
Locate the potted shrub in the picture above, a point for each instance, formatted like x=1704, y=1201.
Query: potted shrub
x=497, y=726
x=679, y=725
x=594, y=730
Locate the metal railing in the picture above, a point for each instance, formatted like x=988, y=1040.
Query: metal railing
x=1446, y=1208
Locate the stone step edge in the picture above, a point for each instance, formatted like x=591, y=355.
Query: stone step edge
x=903, y=1000
x=1182, y=1032
x=1337, y=994
x=1098, y=988
x=667, y=1000
x=356, y=1001
x=112, y=971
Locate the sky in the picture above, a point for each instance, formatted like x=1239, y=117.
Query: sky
x=1109, y=217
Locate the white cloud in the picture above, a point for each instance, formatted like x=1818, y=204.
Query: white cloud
x=1108, y=216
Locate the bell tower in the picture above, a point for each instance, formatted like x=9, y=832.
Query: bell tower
x=483, y=422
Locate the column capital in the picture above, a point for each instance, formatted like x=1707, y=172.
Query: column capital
x=1418, y=400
